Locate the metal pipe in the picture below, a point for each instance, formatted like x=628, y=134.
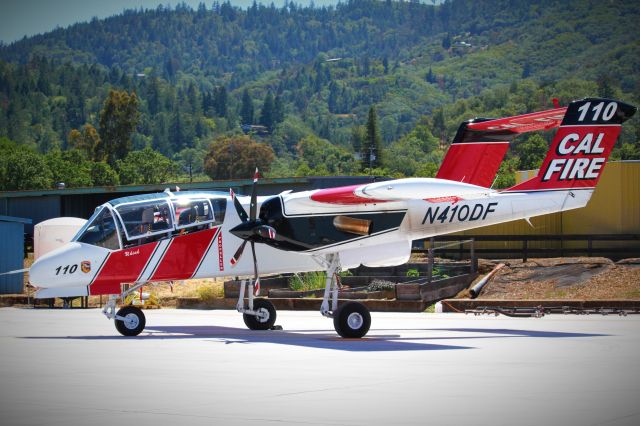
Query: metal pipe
x=476, y=289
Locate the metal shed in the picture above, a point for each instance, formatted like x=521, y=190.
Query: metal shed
x=11, y=253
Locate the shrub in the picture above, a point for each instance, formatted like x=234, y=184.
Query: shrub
x=308, y=281
x=413, y=273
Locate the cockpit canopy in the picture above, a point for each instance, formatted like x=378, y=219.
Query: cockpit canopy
x=132, y=221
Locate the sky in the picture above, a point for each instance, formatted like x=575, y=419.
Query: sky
x=30, y=17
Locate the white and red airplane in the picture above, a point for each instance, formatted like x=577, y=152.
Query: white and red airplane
x=151, y=238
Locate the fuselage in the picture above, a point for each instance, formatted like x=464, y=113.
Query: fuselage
x=169, y=237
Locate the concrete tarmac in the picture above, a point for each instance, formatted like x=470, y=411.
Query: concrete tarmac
x=71, y=367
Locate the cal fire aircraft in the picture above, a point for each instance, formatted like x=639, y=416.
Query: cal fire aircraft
x=134, y=241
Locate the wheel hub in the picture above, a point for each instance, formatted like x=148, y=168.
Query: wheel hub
x=262, y=315
x=131, y=321
x=355, y=320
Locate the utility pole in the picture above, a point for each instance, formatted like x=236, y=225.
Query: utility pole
x=372, y=157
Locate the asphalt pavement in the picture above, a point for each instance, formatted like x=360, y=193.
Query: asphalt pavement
x=71, y=367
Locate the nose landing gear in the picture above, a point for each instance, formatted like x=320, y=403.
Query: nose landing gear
x=130, y=321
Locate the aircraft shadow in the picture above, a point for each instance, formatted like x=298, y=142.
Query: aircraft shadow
x=321, y=339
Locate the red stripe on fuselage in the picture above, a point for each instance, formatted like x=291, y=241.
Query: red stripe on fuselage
x=343, y=195
x=183, y=256
x=122, y=266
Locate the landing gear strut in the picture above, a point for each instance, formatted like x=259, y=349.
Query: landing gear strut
x=352, y=320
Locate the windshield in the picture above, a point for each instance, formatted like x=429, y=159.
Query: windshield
x=100, y=230
x=145, y=219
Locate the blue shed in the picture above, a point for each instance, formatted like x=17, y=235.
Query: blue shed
x=11, y=253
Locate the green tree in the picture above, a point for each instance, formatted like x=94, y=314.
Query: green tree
x=118, y=120
x=323, y=158
x=191, y=161
x=278, y=110
x=415, y=154
x=237, y=157
x=506, y=174
x=86, y=141
x=532, y=152
x=70, y=167
x=103, y=175
x=220, y=101
x=22, y=169
x=145, y=167
x=358, y=136
x=372, y=147
x=246, y=111
x=267, y=113
x=627, y=151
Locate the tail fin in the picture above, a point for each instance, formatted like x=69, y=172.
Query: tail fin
x=581, y=147
x=480, y=145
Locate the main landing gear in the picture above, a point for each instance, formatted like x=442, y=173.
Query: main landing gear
x=129, y=320
x=351, y=320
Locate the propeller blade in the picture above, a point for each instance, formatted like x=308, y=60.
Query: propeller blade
x=238, y=254
x=265, y=231
x=241, y=212
x=255, y=269
x=253, y=208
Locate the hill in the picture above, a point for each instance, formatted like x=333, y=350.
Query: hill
x=424, y=67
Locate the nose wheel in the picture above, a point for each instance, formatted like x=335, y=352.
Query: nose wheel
x=264, y=318
x=130, y=321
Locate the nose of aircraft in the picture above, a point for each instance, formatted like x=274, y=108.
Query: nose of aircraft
x=71, y=265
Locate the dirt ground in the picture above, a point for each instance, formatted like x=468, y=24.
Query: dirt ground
x=565, y=278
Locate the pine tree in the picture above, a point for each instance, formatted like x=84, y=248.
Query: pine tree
x=267, y=113
x=278, y=110
x=246, y=111
x=220, y=101
x=372, y=148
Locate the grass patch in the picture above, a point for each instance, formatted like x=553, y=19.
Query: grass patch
x=431, y=309
x=211, y=291
x=632, y=294
x=308, y=281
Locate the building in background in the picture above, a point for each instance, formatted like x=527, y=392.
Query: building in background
x=12, y=253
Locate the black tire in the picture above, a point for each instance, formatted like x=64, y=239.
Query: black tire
x=255, y=323
x=352, y=320
x=135, y=321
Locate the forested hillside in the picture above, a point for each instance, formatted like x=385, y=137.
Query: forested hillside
x=364, y=87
